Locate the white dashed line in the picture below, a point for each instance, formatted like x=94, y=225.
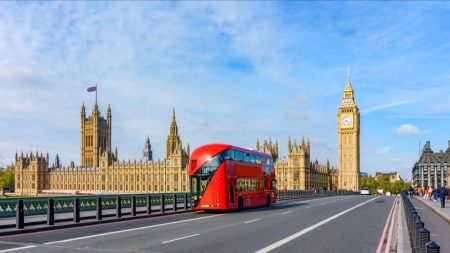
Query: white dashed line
x=181, y=238
x=250, y=221
x=287, y=212
x=20, y=248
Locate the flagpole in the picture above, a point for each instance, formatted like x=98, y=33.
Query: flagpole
x=95, y=93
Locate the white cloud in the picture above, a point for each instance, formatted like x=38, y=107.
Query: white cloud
x=407, y=129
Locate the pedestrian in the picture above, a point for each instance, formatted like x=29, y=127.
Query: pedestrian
x=435, y=195
x=442, y=194
x=430, y=193
x=419, y=191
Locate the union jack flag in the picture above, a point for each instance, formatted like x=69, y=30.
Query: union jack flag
x=93, y=88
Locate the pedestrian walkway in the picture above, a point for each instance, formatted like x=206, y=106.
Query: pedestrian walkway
x=436, y=224
x=436, y=207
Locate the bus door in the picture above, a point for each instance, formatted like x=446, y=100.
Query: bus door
x=195, y=190
x=231, y=195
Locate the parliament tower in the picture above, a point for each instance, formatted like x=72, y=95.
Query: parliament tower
x=348, y=137
x=95, y=136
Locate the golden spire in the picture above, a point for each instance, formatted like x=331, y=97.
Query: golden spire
x=348, y=85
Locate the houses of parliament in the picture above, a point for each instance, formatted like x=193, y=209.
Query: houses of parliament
x=101, y=171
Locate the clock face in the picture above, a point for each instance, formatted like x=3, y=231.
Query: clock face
x=347, y=121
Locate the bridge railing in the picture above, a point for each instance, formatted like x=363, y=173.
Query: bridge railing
x=419, y=236
x=295, y=194
x=30, y=211
x=114, y=205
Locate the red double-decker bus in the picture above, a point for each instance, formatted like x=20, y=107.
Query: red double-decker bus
x=225, y=177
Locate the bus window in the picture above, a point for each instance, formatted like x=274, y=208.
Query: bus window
x=246, y=157
x=228, y=155
x=238, y=156
x=273, y=184
x=258, y=159
x=252, y=158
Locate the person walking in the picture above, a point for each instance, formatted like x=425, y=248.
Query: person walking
x=443, y=192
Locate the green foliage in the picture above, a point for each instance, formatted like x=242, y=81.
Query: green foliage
x=382, y=182
x=7, y=177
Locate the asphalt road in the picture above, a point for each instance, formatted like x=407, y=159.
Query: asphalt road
x=332, y=224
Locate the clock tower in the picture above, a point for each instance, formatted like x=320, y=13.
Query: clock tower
x=348, y=140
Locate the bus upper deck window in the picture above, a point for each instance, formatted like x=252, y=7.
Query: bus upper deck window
x=228, y=155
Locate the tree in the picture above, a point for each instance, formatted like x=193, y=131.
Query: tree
x=383, y=182
x=7, y=177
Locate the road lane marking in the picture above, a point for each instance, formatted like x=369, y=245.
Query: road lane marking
x=389, y=238
x=287, y=212
x=250, y=221
x=19, y=248
x=304, y=201
x=131, y=229
x=181, y=238
x=308, y=207
x=308, y=229
x=383, y=234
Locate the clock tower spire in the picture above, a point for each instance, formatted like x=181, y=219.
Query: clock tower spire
x=348, y=139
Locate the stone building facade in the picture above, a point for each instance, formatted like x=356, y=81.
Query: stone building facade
x=432, y=169
x=297, y=171
x=348, y=140
x=100, y=170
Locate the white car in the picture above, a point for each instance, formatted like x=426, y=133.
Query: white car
x=388, y=193
x=365, y=192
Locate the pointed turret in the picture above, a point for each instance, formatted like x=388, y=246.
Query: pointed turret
x=173, y=140
x=148, y=153
x=348, y=85
x=348, y=98
x=83, y=111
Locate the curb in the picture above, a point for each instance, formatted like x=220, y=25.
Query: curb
x=436, y=211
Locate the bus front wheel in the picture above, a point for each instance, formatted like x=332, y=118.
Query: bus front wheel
x=240, y=204
x=268, y=201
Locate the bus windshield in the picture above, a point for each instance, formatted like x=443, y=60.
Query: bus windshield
x=201, y=179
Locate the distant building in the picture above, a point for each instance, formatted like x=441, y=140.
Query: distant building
x=364, y=174
x=100, y=170
x=147, y=154
x=297, y=171
x=393, y=176
x=432, y=169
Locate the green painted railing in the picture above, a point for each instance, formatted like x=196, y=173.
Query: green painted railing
x=64, y=204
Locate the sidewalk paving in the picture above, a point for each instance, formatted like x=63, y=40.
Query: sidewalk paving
x=435, y=219
x=436, y=207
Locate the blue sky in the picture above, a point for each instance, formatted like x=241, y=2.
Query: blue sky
x=233, y=71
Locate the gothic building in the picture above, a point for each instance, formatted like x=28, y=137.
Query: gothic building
x=348, y=138
x=100, y=170
x=297, y=172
